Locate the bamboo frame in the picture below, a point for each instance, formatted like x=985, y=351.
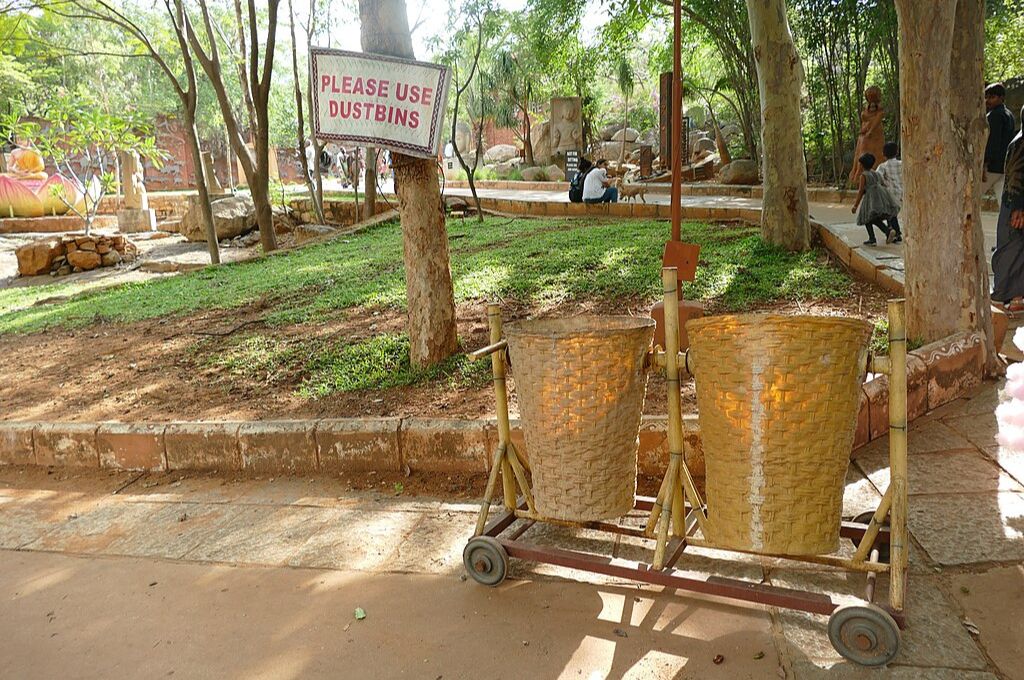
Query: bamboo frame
x=679, y=509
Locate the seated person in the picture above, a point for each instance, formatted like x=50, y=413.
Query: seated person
x=576, y=185
x=597, y=188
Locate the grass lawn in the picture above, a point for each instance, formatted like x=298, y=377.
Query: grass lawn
x=532, y=265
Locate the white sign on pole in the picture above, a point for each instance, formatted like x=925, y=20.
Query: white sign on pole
x=374, y=100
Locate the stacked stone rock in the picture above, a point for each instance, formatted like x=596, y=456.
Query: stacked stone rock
x=62, y=255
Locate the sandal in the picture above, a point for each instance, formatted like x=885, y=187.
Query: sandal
x=1015, y=305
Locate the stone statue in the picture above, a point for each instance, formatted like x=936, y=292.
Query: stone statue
x=872, y=137
x=566, y=124
x=132, y=185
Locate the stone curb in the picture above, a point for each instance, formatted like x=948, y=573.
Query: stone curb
x=937, y=374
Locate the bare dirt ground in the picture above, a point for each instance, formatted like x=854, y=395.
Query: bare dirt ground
x=163, y=370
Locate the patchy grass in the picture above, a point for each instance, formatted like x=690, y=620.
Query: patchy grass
x=382, y=362
x=536, y=262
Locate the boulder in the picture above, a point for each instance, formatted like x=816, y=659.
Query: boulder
x=110, y=258
x=540, y=138
x=304, y=233
x=742, y=171
x=534, y=174
x=695, y=136
x=84, y=259
x=611, y=150
x=500, y=153
x=630, y=134
x=38, y=257
x=232, y=216
x=704, y=144
x=608, y=131
x=503, y=170
x=554, y=173
x=730, y=130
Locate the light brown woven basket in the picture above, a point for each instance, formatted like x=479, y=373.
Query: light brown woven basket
x=580, y=383
x=777, y=400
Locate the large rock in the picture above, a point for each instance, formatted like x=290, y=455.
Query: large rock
x=501, y=153
x=555, y=173
x=534, y=174
x=742, y=171
x=304, y=233
x=611, y=150
x=630, y=134
x=695, y=136
x=84, y=259
x=232, y=216
x=540, y=138
x=37, y=257
x=704, y=144
x=608, y=131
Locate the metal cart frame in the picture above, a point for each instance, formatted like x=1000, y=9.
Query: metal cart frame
x=865, y=633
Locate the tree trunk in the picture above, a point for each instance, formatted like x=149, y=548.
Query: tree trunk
x=204, y=193
x=527, y=142
x=943, y=130
x=370, y=192
x=625, y=124
x=428, y=278
x=784, y=218
x=300, y=128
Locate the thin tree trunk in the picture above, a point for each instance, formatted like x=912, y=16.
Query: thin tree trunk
x=943, y=132
x=370, y=192
x=192, y=135
x=243, y=79
x=318, y=180
x=625, y=124
x=300, y=128
x=784, y=219
x=431, y=300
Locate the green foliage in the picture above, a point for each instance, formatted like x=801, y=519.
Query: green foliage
x=535, y=262
x=382, y=362
x=1004, y=37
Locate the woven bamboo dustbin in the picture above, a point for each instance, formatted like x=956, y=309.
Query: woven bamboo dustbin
x=777, y=400
x=581, y=383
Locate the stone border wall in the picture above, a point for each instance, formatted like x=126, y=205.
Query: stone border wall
x=937, y=374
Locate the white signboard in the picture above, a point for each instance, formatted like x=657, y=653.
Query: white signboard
x=374, y=100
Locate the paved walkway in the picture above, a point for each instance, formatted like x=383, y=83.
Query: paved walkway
x=140, y=576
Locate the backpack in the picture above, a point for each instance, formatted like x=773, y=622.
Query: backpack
x=576, y=186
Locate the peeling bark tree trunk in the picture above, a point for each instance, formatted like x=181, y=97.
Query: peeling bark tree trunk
x=428, y=278
x=784, y=218
x=370, y=179
x=943, y=128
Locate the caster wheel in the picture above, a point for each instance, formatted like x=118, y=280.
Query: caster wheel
x=864, y=634
x=883, y=548
x=486, y=560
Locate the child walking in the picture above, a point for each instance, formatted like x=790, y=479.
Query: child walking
x=875, y=204
x=890, y=171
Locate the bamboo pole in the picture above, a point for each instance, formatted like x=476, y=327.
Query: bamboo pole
x=520, y=473
x=874, y=526
x=492, y=480
x=899, y=536
x=501, y=398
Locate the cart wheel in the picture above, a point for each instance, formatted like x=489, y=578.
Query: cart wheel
x=864, y=634
x=883, y=547
x=486, y=560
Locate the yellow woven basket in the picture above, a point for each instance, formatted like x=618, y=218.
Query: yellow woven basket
x=580, y=383
x=777, y=398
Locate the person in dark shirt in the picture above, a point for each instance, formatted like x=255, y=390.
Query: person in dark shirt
x=1008, y=260
x=1001, y=127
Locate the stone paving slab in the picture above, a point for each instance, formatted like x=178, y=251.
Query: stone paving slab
x=963, y=529
x=934, y=635
x=980, y=430
x=927, y=436
x=990, y=600
x=966, y=471
x=1010, y=461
